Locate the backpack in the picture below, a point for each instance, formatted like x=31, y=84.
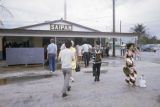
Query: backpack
x=98, y=55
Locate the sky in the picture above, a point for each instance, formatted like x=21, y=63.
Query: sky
x=96, y=14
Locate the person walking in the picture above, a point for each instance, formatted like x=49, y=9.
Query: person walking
x=74, y=62
x=52, y=55
x=129, y=68
x=97, y=58
x=66, y=56
x=86, y=53
x=107, y=49
x=79, y=52
x=123, y=47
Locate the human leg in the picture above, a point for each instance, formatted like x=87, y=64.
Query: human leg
x=53, y=62
x=64, y=84
x=98, y=71
x=67, y=74
x=50, y=59
x=88, y=58
x=85, y=58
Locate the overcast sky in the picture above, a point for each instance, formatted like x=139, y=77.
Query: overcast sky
x=96, y=14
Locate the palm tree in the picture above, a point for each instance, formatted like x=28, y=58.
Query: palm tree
x=4, y=11
x=141, y=30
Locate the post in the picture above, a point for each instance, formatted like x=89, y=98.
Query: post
x=1, y=48
x=65, y=10
x=113, y=54
x=120, y=30
x=120, y=27
x=55, y=40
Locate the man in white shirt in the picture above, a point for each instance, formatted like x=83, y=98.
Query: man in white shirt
x=123, y=47
x=52, y=53
x=86, y=55
x=66, y=56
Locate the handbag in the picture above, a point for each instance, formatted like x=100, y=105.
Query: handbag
x=77, y=68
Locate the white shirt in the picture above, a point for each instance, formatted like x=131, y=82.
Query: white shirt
x=79, y=50
x=123, y=46
x=66, y=56
x=86, y=47
x=52, y=48
x=63, y=46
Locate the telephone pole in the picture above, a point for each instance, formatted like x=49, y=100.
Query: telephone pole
x=65, y=10
x=120, y=30
x=113, y=53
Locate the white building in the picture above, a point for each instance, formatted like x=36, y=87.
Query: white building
x=38, y=35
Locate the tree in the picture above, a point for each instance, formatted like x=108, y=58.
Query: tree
x=153, y=40
x=141, y=29
x=4, y=11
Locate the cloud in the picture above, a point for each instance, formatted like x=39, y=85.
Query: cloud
x=92, y=13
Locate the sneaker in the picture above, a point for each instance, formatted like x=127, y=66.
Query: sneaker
x=72, y=79
x=64, y=95
x=51, y=71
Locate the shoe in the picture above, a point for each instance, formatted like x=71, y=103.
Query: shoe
x=72, y=79
x=69, y=88
x=52, y=71
x=64, y=95
x=95, y=79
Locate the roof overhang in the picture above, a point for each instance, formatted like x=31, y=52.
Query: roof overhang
x=47, y=33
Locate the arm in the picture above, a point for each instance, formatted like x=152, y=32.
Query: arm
x=56, y=51
x=59, y=57
x=125, y=59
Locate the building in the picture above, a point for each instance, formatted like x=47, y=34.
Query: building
x=38, y=35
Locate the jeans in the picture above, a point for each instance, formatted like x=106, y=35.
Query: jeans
x=86, y=57
x=122, y=52
x=51, y=58
x=96, y=70
x=67, y=75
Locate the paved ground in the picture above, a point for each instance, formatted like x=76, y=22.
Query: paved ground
x=111, y=91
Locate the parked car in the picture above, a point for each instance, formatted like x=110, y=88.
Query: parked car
x=149, y=48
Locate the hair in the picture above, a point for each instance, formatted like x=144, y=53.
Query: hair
x=129, y=45
x=68, y=44
x=85, y=42
x=52, y=40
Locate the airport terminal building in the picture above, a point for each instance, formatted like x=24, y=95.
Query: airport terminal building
x=38, y=35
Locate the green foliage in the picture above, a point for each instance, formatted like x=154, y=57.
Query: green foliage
x=144, y=38
x=139, y=28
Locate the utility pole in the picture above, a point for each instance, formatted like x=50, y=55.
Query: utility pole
x=120, y=29
x=120, y=26
x=65, y=10
x=113, y=53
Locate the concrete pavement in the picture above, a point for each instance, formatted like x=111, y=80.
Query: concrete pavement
x=111, y=91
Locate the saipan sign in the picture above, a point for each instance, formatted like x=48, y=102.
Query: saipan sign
x=60, y=27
